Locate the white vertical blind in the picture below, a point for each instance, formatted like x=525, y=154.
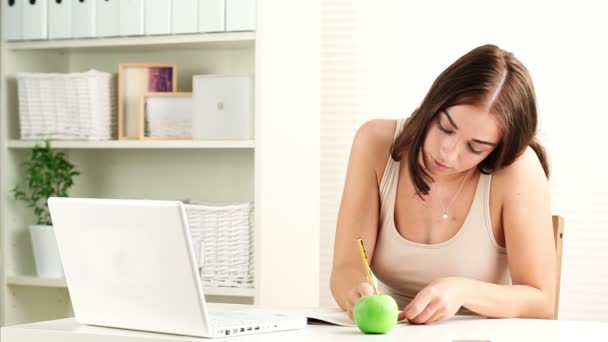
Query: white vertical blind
x=379, y=58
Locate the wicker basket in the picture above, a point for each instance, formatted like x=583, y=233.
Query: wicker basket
x=75, y=106
x=223, y=234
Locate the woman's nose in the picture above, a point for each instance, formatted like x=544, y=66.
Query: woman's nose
x=449, y=150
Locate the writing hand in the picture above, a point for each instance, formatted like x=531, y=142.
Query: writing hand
x=362, y=289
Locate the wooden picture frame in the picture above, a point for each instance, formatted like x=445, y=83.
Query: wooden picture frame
x=172, y=100
x=135, y=79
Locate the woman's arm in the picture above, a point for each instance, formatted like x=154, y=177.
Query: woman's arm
x=526, y=221
x=359, y=212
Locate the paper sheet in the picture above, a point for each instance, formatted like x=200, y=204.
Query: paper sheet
x=323, y=315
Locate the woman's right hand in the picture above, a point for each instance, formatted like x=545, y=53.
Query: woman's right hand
x=360, y=290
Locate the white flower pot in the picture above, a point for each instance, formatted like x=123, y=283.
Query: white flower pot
x=46, y=253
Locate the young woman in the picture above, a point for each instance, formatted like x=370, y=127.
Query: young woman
x=453, y=203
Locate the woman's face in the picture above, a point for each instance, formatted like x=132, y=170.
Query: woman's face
x=459, y=138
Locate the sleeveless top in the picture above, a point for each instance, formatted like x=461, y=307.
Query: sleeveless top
x=404, y=267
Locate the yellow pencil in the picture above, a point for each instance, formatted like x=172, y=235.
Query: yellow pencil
x=366, y=264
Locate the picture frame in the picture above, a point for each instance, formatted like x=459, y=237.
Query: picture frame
x=134, y=80
x=166, y=116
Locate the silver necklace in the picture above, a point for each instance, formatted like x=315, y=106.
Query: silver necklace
x=445, y=215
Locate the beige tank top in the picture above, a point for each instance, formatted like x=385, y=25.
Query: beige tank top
x=404, y=267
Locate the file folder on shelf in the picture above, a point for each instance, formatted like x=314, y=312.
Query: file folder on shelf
x=158, y=17
x=185, y=16
x=60, y=19
x=12, y=12
x=211, y=16
x=131, y=14
x=240, y=15
x=34, y=19
x=108, y=18
x=83, y=18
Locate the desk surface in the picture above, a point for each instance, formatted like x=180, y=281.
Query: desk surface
x=461, y=328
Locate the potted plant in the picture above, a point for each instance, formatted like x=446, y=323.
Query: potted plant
x=47, y=173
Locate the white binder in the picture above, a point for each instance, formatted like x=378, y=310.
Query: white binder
x=223, y=107
x=107, y=18
x=12, y=12
x=158, y=16
x=60, y=19
x=240, y=15
x=34, y=19
x=131, y=17
x=211, y=16
x=185, y=16
x=83, y=18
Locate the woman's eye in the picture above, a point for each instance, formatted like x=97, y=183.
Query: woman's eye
x=443, y=129
x=474, y=151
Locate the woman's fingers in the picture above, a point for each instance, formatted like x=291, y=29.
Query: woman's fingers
x=434, y=307
x=365, y=289
x=417, y=305
x=438, y=316
x=362, y=289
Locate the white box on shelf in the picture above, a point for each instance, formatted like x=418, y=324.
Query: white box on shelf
x=158, y=17
x=223, y=107
x=168, y=115
x=131, y=17
x=12, y=12
x=107, y=18
x=185, y=16
x=211, y=16
x=60, y=19
x=34, y=20
x=83, y=18
x=240, y=15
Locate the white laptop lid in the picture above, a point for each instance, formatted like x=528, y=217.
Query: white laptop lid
x=129, y=265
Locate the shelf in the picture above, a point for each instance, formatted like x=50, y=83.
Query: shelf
x=138, y=144
x=51, y=282
x=212, y=40
x=35, y=281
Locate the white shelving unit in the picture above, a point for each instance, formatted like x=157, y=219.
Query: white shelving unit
x=278, y=170
x=209, y=171
x=61, y=283
x=139, y=144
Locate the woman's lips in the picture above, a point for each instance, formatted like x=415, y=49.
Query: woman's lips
x=438, y=164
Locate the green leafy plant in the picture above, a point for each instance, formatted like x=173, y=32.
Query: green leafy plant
x=47, y=173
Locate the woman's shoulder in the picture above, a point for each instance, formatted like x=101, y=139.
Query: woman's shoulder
x=378, y=133
x=373, y=142
x=524, y=172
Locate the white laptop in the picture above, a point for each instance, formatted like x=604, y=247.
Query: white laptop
x=130, y=264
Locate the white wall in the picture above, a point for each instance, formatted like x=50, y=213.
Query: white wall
x=287, y=148
x=379, y=59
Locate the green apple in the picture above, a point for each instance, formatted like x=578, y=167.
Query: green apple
x=376, y=314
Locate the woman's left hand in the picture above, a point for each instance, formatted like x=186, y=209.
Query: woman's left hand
x=439, y=301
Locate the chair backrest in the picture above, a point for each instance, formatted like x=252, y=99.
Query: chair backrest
x=558, y=234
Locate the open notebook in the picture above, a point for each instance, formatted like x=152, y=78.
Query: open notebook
x=322, y=315
x=332, y=315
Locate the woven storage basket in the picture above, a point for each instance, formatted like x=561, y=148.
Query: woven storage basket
x=75, y=106
x=224, y=233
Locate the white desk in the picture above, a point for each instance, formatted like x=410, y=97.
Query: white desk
x=67, y=330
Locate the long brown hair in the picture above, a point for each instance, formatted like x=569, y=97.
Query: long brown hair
x=490, y=76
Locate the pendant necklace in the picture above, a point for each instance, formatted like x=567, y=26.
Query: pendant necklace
x=445, y=215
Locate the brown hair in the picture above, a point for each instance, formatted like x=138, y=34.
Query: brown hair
x=487, y=76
